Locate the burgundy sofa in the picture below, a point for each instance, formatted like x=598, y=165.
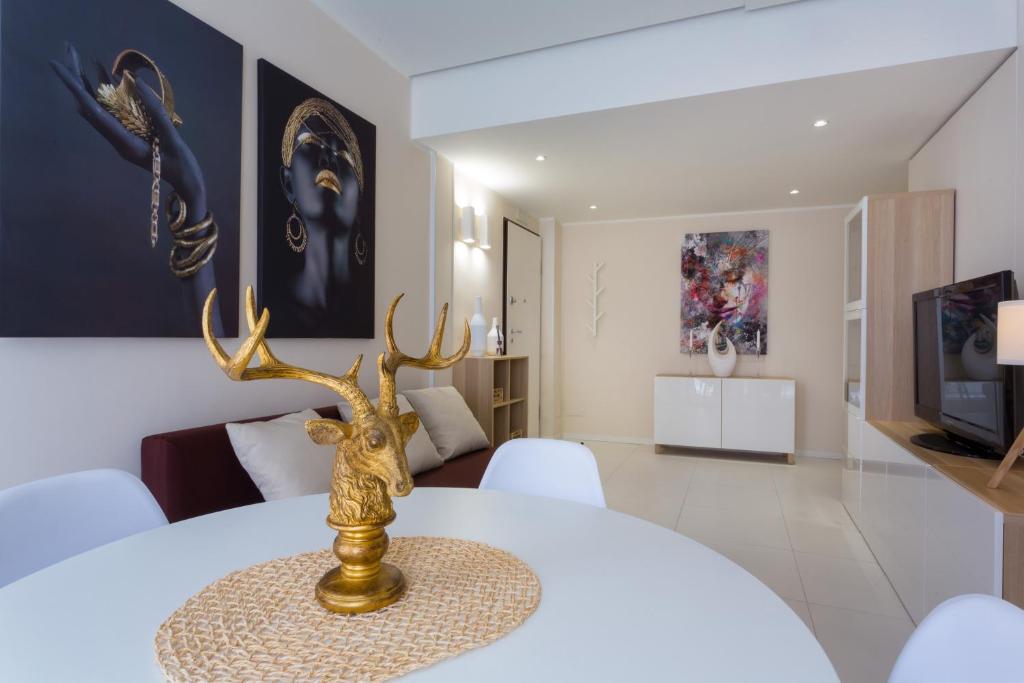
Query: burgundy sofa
x=193, y=472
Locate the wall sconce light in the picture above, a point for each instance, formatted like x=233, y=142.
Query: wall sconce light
x=484, y=233
x=467, y=230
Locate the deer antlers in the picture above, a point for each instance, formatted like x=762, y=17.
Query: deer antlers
x=237, y=367
x=389, y=362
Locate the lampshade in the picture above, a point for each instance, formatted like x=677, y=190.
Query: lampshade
x=1010, y=333
x=466, y=232
x=483, y=233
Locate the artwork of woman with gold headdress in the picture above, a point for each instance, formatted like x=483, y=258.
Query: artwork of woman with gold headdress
x=316, y=211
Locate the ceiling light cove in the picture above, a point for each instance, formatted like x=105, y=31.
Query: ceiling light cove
x=821, y=123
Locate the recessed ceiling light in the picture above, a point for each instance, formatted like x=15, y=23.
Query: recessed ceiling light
x=821, y=123
x=794, y=191
x=541, y=157
x=593, y=206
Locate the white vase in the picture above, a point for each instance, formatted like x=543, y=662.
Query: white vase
x=478, y=329
x=492, y=338
x=722, y=363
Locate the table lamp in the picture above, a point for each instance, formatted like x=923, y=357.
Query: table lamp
x=1009, y=351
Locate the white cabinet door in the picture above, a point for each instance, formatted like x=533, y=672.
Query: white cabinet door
x=903, y=532
x=851, y=467
x=759, y=415
x=893, y=514
x=688, y=412
x=963, y=544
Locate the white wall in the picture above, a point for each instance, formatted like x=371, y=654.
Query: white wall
x=551, y=329
x=478, y=272
x=608, y=381
x=71, y=404
x=976, y=153
x=464, y=272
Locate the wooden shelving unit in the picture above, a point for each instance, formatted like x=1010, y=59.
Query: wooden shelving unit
x=496, y=390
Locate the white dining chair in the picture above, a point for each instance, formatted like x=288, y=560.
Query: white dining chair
x=45, y=521
x=545, y=467
x=965, y=639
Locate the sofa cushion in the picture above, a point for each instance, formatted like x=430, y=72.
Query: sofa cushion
x=194, y=471
x=280, y=457
x=420, y=450
x=448, y=420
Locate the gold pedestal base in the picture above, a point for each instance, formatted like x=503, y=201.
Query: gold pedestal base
x=362, y=583
x=338, y=594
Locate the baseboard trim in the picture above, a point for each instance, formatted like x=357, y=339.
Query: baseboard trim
x=648, y=441
x=827, y=455
x=639, y=440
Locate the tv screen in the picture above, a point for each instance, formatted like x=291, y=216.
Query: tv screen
x=959, y=386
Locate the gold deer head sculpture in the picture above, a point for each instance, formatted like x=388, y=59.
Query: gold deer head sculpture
x=370, y=464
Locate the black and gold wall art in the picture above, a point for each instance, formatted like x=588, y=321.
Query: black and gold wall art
x=120, y=154
x=317, y=169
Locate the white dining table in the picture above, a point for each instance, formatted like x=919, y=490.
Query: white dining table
x=622, y=599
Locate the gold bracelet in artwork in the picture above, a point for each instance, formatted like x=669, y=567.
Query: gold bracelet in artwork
x=189, y=253
x=123, y=102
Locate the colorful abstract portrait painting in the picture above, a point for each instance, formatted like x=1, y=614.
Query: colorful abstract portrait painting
x=120, y=124
x=316, y=211
x=725, y=279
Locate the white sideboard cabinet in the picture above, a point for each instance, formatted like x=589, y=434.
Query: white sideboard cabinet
x=733, y=413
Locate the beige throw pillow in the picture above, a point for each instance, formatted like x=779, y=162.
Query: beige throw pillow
x=281, y=458
x=448, y=420
x=420, y=450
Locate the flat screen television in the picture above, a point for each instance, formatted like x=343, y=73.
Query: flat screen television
x=959, y=387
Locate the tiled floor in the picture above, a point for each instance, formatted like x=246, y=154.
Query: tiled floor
x=786, y=526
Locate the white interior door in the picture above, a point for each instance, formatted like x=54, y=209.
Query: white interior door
x=522, y=309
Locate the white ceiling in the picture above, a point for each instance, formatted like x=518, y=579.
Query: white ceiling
x=417, y=36
x=733, y=151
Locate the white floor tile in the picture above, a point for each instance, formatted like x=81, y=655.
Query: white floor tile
x=814, y=507
x=714, y=525
x=802, y=610
x=839, y=582
x=775, y=568
x=736, y=474
x=650, y=487
x=836, y=540
x=753, y=501
x=785, y=525
x=863, y=647
x=609, y=456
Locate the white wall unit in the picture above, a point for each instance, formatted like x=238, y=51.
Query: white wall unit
x=736, y=413
x=933, y=538
x=758, y=415
x=851, y=486
x=963, y=543
x=688, y=410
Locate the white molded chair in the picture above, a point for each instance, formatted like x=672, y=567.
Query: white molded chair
x=545, y=467
x=46, y=521
x=965, y=639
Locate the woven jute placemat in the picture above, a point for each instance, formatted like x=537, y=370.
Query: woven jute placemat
x=263, y=623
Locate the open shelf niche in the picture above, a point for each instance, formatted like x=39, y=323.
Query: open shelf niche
x=495, y=389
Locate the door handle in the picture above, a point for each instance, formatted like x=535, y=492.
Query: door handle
x=512, y=300
x=516, y=331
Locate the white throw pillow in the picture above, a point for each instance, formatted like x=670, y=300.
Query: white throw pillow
x=420, y=450
x=448, y=420
x=281, y=458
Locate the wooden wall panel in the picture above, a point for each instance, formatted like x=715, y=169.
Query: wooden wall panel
x=910, y=249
